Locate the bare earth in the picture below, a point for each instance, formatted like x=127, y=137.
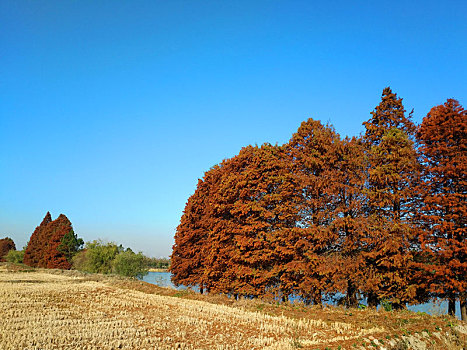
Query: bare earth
x=49, y=309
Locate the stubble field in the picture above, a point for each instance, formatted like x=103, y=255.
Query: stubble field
x=66, y=310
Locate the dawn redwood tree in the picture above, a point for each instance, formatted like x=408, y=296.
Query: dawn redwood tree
x=314, y=157
x=35, y=249
x=443, y=146
x=6, y=244
x=192, y=247
x=60, y=233
x=219, y=269
x=348, y=273
x=49, y=247
x=393, y=174
x=225, y=240
x=253, y=210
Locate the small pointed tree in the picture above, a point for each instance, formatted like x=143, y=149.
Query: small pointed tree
x=443, y=146
x=36, y=246
x=52, y=244
x=6, y=244
x=54, y=257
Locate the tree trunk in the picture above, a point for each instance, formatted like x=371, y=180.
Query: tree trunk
x=372, y=300
x=317, y=298
x=463, y=308
x=351, y=298
x=399, y=306
x=452, y=306
x=201, y=290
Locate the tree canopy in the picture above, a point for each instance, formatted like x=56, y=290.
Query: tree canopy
x=6, y=244
x=443, y=148
x=324, y=216
x=52, y=244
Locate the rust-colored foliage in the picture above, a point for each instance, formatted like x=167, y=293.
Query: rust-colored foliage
x=6, y=244
x=192, y=236
x=443, y=147
x=35, y=248
x=42, y=249
x=393, y=173
x=346, y=268
x=252, y=212
x=314, y=157
x=223, y=242
x=321, y=216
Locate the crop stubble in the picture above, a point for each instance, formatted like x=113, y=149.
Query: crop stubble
x=41, y=310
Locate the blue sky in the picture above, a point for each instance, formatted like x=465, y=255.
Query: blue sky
x=111, y=110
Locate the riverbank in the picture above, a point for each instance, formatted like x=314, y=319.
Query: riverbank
x=55, y=309
x=158, y=270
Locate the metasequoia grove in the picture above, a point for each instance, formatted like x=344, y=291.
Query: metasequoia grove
x=380, y=216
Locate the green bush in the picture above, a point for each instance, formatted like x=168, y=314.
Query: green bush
x=100, y=257
x=97, y=257
x=130, y=264
x=386, y=304
x=15, y=256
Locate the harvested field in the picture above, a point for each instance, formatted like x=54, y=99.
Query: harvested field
x=66, y=310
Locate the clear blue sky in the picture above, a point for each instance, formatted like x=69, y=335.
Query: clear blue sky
x=111, y=110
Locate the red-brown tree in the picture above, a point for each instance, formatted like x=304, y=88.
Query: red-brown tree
x=393, y=173
x=6, y=244
x=324, y=216
x=443, y=146
x=54, y=258
x=224, y=240
x=314, y=156
x=348, y=228
x=35, y=249
x=254, y=211
x=192, y=247
x=45, y=248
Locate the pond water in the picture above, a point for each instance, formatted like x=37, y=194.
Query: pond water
x=162, y=279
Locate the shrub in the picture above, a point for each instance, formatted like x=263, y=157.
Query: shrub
x=130, y=264
x=15, y=256
x=386, y=304
x=100, y=257
x=97, y=257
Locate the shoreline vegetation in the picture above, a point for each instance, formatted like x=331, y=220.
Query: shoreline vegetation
x=158, y=270
x=54, y=309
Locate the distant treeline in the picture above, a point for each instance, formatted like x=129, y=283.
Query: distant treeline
x=158, y=263
x=54, y=244
x=382, y=215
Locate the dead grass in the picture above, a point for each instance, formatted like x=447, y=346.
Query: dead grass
x=53, y=309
